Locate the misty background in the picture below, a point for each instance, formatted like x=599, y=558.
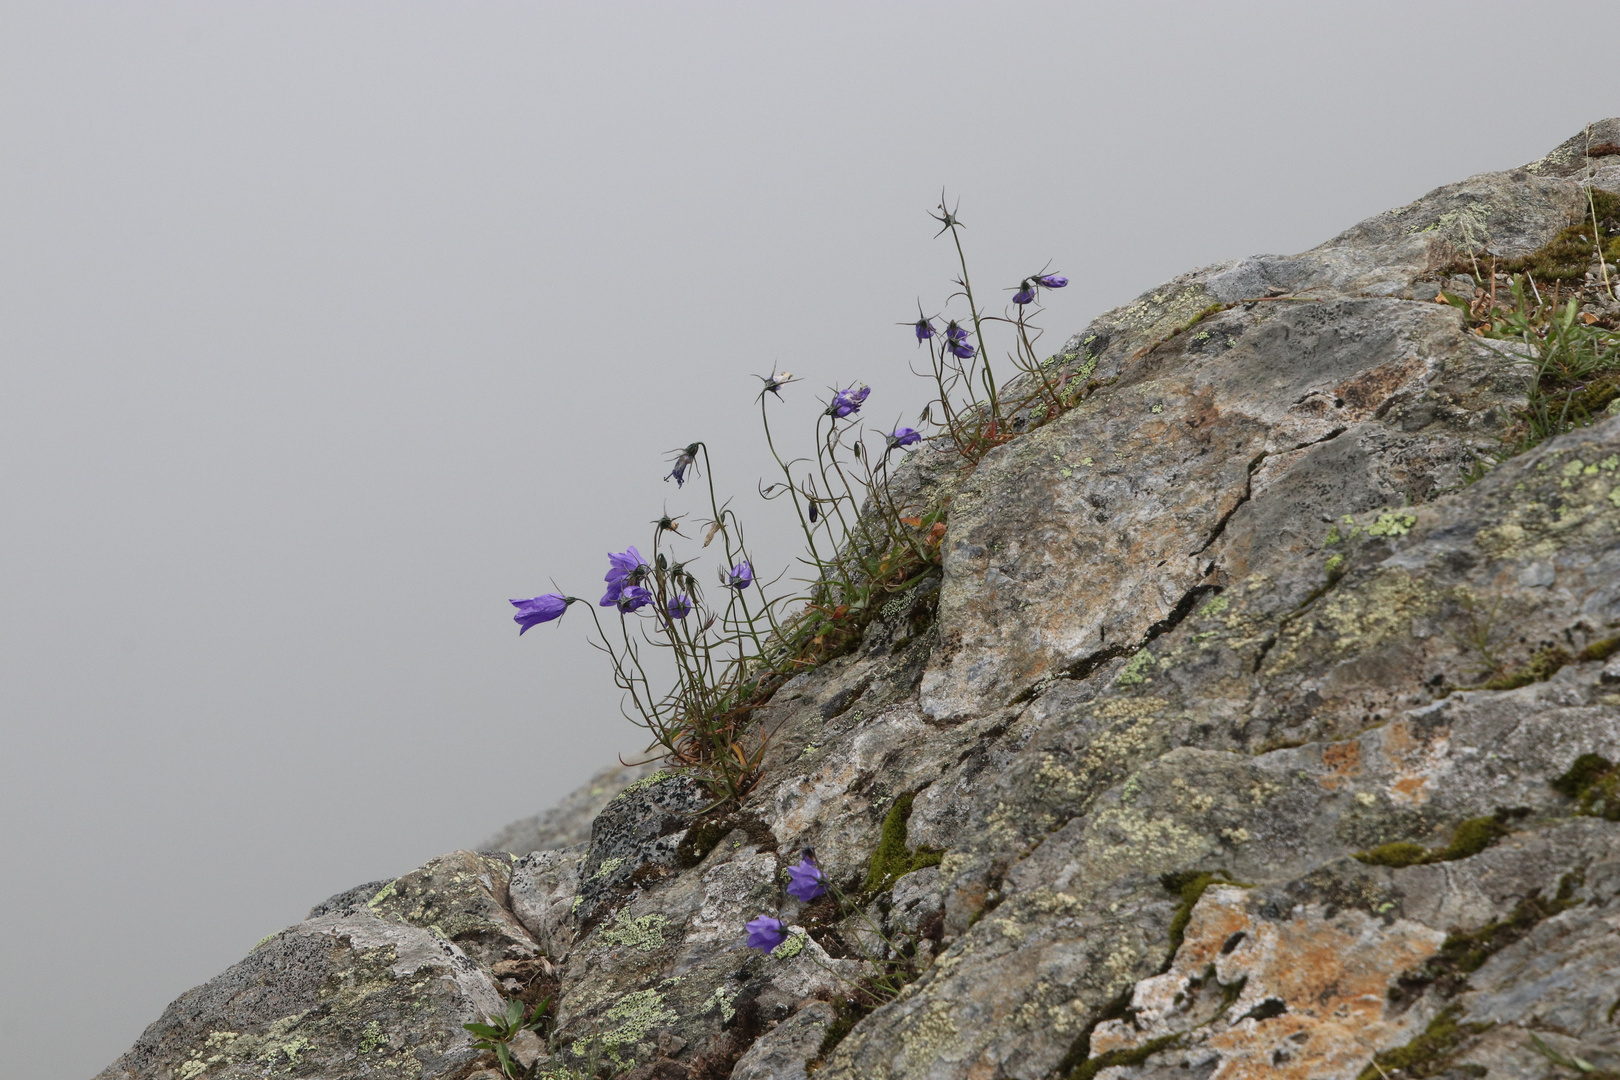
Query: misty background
x=325, y=328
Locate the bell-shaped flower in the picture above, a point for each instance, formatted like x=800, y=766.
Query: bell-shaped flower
x=903, y=437
x=679, y=606
x=805, y=879
x=1052, y=281
x=740, y=576
x=538, y=610
x=633, y=598
x=765, y=933
x=1025, y=294
x=848, y=402
x=924, y=329
x=624, y=568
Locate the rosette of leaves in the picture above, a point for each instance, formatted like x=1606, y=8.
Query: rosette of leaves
x=497, y=1035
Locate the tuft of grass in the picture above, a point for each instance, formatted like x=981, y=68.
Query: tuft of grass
x=497, y=1032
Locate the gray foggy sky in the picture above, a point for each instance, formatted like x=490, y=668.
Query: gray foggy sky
x=327, y=327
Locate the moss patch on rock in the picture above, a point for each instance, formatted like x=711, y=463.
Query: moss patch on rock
x=1594, y=783
x=893, y=860
x=1472, y=837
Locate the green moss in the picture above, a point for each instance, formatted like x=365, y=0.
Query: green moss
x=846, y=1014
x=1190, y=886
x=1431, y=1053
x=1472, y=837
x=892, y=859
x=1135, y=1055
x=1599, y=650
x=699, y=841
x=1567, y=255
x=1400, y=853
x=1461, y=954
x=1543, y=666
x=1594, y=783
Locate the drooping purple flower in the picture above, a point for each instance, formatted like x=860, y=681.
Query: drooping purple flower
x=954, y=332
x=1052, y=281
x=740, y=577
x=538, y=610
x=806, y=881
x=624, y=568
x=634, y=598
x=903, y=437
x=684, y=458
x=765, y=933
x=1025, y=294
x=962, y=350
x=679, y=606
x=815, y=511
x=848, y=402
x=925, y=329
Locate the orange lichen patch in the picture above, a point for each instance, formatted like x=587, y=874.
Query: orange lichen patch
x=1364, y=394
x=1413, y=762
x=1298, y=999
x=1342, y=760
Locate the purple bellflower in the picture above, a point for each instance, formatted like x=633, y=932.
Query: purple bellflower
x=741, y=576
x=540, y=609
x=624, y=568
x=684, y=458
x=679, y=606
x=765, y=933
x=806, y=881
x=633, y=598
x=925, y=329
x=956, y=341
x=903, y=437
x=848, y=402
x=1052, y=281
x=1025, y=294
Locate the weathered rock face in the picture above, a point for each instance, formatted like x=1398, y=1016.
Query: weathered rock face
x=1195, y=644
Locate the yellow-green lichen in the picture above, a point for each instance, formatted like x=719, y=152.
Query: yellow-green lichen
x=1392, y=523
x=792, y=945
x=607, y=866
x=631, y=1017
x=1138, y=670
x=371, y=1037
x=1214, y=606
x=644, y=932
x=383, y=894
x=722, y=1000
x=644, y=783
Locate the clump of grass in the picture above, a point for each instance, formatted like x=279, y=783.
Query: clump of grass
x=729, y=655
x=495, y=1035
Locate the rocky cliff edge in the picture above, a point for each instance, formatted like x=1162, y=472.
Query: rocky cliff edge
x=1242, y=736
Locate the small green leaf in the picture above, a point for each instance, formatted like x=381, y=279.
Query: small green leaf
x=482, y=1030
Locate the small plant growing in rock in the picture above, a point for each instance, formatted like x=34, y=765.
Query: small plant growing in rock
x=731, y=652
x=497, y=1033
